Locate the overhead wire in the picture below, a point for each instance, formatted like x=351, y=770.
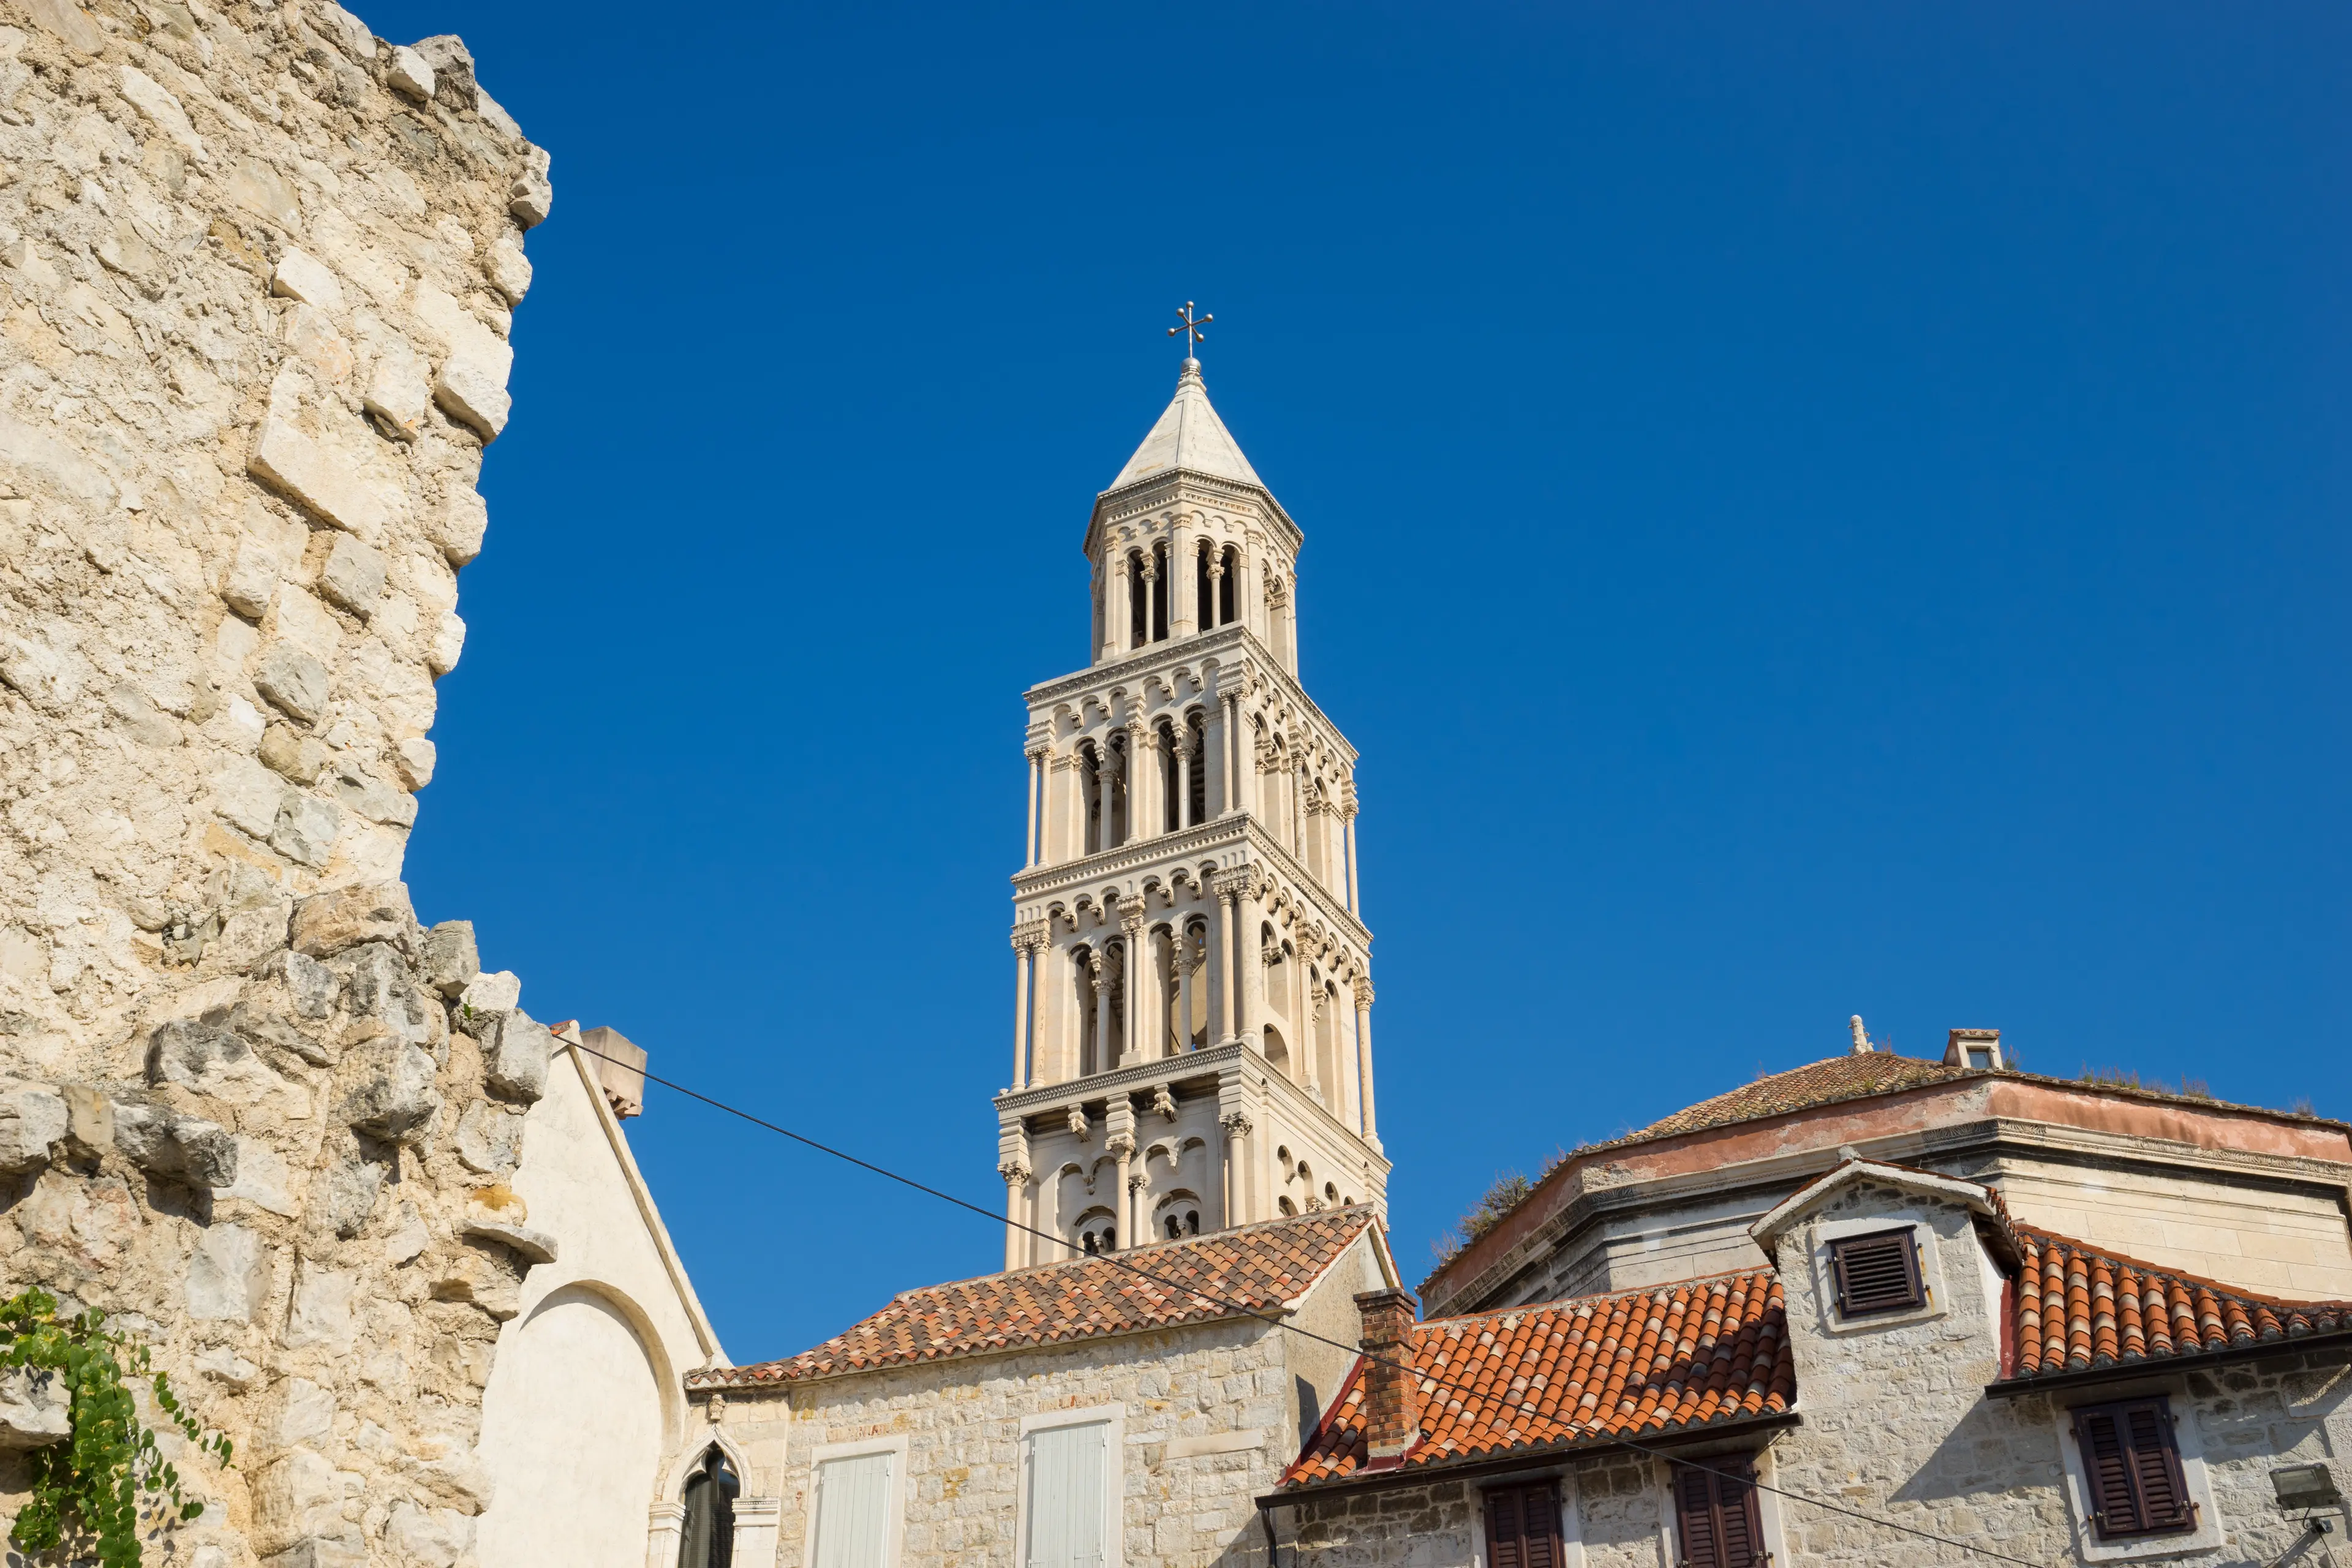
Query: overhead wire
x=1244, y=1309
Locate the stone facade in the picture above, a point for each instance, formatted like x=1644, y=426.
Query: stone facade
x=1909, y=1419
x=257, y=269
x=1206, y=1417
x=1192, y=1036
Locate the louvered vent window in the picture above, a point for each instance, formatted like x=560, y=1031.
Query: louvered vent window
x=1877, y=1273
x=1523, y=1527
x=1716, y=1519
x=2132, y=1464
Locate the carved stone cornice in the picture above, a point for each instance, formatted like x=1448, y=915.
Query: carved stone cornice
x=1254, y=668
x=1029, y=936
x=1127, y=1080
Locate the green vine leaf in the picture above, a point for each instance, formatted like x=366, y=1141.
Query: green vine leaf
x=95, y=1478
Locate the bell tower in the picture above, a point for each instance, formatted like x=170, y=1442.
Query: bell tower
x=1192, y=1041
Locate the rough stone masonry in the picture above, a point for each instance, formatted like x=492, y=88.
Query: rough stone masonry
x=257, y=272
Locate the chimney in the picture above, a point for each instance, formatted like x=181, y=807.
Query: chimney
x=1973, y=1048
x=1391, y=1395
x=620, y=1069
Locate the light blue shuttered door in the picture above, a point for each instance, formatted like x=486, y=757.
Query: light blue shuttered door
x=852, y=1511
x=1069, y=1496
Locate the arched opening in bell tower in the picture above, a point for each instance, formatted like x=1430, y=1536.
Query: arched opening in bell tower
x=1229, y=587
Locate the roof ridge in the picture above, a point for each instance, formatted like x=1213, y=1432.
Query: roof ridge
x=1627, y=1295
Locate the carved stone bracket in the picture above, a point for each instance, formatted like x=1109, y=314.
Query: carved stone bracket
x=1164, y=1102
x=1080, y=1127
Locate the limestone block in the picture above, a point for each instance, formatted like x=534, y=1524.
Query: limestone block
x=436, y=1539
x=536, y=1246
x=342, y=30
x=300, y=275
x=31, y=1120
x=158, y=105
x=489, y=1139
x=238, y=724
x=228, y=1275
x=491, y=992
x=320, y=1313
x=372, y=797
x=408, y=1238
x=493, y=1284
x=459, y=525
x=264, y=1023
x=353, y=576
x=306, y=829
x=304, y=1414
x=170, y=1147
x=344, y=1551
x=329, y=924
x=292, y=755
x=262, y=1179
x=532, y=195
x=398, y=390
x=315, y=990
x=247, y=795
x=51, y=678
x=343, y=1194
x=210, y=1061
x=226, y=1365
x=300, y=1493
x=292, y=681
x=253, y=579
x=448, y=642
x=417, y=757
x=449, y=959
x=472, y=393
x=515, y=1057
x=508, y=268
x=384, y=999
x=409, y=73
x=313, y=476
x=391, y=1094
x=35, y=1408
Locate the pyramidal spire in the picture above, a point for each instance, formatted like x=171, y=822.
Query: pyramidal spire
x=1189, y=434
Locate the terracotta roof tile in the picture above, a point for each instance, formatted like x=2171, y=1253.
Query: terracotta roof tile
x=2076, y=1309
x=1261, y=1266
x=1587, y=1371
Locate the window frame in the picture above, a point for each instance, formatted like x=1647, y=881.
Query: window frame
x=894, y=1533
x=1913, y=1266
x=1114, y=1418
x=1563, y=1534
x=2188, y=1450
x=1927, y=1251
x=1679, y=1475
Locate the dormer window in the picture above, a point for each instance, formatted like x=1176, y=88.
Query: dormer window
x=1977, y=1048
x=1877, y=1273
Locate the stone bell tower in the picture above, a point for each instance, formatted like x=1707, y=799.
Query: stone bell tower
x=1192, y=1040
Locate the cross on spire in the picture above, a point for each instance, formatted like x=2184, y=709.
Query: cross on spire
x=1194, y=335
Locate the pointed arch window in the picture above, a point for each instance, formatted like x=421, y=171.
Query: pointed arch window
x=708, y=1540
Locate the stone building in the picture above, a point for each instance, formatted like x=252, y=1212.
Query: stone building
x=1192, y=1042
x=258, y=272
x=1872, y=1309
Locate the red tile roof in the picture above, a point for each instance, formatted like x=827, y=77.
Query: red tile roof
x=1801, y=1089
x=1589, y=1371
x=1261, y=1267
x=2074, y=1310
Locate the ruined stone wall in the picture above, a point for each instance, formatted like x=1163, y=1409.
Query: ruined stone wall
x=255, y=274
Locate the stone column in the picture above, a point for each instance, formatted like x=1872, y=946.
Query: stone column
x=1147, y=814
x=1183, y=778
x=1149, y=629
x=1220, y=966
x=665, y=1525
x=1099, y=965
x=1181, y=947
x=1122, y=602
x=1031, y=850
x=1229, y=746
x=1371, y=1130
x=1024, y=962
x=1119, y=1140
x=757, y=1521
x=1355, y=894
x=1136, y=965
x=1016, y=1176
x=1216, y=578
x=1236, y=1194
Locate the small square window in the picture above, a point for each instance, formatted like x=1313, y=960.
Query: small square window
x=1877, y=1273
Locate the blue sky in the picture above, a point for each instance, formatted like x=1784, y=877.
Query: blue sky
x=1809, y=509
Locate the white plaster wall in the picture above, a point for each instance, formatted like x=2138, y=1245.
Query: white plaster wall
x=585, y=1402
x=571, y=1425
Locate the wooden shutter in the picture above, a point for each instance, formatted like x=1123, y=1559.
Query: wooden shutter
x=1523, y=1527
x=1716, y=1514
x=2131, y=1463
x=1877, y=1273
